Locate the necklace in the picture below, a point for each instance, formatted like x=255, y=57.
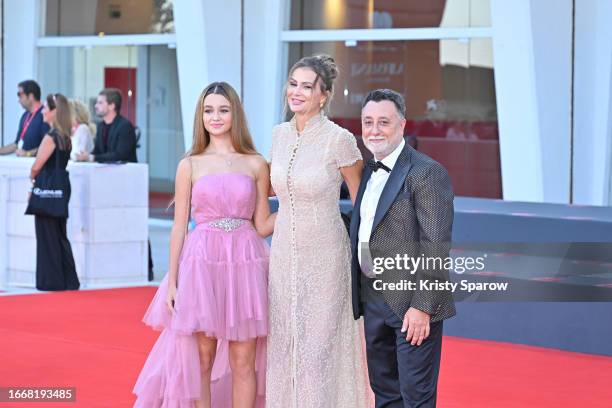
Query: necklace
x=228, y=159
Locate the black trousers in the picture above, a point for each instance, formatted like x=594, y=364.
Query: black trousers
x=401, y=375
x=55, y=268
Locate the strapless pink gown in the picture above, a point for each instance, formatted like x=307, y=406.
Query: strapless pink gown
x=221, y=291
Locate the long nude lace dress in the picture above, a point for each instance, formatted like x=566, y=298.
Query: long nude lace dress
x=315, y=355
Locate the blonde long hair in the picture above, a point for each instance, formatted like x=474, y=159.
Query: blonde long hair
x=239, y=132
x=81, y=115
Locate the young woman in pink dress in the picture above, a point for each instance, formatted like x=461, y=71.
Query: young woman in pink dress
x=212, y=305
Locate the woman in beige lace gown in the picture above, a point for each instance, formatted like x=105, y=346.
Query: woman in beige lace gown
x=315, y=357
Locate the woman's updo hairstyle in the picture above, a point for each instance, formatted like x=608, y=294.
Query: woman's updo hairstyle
x=326, y=72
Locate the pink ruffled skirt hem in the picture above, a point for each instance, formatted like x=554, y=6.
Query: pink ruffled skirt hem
x=222, y=292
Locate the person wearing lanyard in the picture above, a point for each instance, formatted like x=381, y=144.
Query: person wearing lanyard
x=32, y=129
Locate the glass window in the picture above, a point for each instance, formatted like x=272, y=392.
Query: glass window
x=450, y=97
x=96, y=17
x=148, y=79
x=344, y=14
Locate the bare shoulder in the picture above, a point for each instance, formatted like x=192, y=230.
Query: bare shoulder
x=184, y=168
x=257, y=165
x=185, y=163
x=48, y=142
x=257, y=162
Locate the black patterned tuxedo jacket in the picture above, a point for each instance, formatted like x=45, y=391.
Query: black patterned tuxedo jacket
x=414, y=216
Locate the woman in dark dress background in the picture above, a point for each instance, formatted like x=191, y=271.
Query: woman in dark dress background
x=55, y=268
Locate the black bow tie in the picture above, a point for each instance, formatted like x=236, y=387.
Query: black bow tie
x=375, y=165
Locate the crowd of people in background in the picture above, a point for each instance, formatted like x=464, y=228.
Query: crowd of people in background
x=115, y=136
x=54, y=132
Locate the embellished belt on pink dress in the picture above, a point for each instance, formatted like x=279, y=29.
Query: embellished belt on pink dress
x=227, y=224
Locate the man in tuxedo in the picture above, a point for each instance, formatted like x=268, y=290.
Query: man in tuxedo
x=115, y=137
x=404, y=206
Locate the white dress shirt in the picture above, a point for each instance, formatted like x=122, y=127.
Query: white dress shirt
x=369, y=202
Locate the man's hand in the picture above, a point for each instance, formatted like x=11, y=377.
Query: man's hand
x=21, y=153
x=82, y=156
x=8, y=149
x=417, y=324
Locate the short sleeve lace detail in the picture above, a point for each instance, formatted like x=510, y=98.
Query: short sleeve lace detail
x=272, y=143
x=347, y=152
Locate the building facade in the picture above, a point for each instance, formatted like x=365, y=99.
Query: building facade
x=514, y=98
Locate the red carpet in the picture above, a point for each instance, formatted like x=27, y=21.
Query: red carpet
x=94, y=341
x=159, y=205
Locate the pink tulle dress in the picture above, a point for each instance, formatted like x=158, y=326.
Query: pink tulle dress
x=221, y=291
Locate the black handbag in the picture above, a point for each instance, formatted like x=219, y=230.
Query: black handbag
x=51, y=192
